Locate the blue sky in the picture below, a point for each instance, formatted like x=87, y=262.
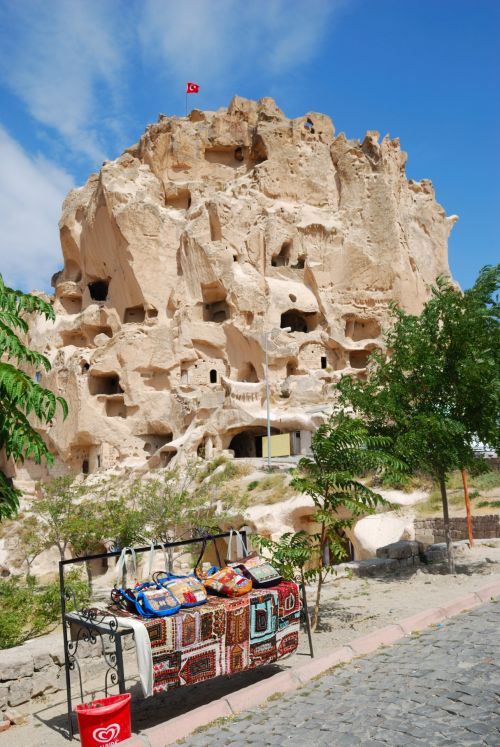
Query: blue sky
x=80, y=79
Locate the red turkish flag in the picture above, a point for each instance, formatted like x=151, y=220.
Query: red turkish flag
x=192, y=88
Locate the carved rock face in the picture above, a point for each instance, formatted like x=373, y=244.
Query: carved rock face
x=210, y=231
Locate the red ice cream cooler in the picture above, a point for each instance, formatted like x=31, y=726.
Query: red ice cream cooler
x=104, y=722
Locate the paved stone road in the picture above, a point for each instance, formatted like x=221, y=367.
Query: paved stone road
x=441, y=687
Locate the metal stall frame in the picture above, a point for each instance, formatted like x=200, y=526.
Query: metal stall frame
x=94, y=625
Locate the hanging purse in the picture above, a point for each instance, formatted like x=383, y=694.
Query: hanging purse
x=260, y=571
x=227, y=582
x=187, y=589
x=144, y=599
x=257, y=569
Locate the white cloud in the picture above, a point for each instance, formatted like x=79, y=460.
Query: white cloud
x=59, y=57
x=31, y=194
x=218, y=37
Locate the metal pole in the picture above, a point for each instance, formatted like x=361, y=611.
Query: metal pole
x=307, y=619
x=267, y=405
x=62, y=593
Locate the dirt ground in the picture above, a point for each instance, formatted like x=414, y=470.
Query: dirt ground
x=351, y=607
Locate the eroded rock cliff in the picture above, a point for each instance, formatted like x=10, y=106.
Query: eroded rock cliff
x=210, y=231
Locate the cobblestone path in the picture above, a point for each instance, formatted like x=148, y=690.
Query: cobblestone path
x=441, y=687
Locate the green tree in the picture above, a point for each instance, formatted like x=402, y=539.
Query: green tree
x=22, y=399
x=55, y=510
x=437, y=392
x=87, y=529
x=31, y=541
x=342, y=450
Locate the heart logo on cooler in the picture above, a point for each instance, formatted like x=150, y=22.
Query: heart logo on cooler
x=106, y=735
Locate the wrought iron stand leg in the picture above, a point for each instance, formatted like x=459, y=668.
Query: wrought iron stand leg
x=68, y=682
x=119, y=664
x=307, y=618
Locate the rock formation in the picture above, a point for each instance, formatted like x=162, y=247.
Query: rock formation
x=212, y=230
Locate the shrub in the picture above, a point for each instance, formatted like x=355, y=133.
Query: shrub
x=28, y=610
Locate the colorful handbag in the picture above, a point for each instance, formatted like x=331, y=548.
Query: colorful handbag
x=258, y=570
x=225, y=581
x=146, y=600
x=187, y=589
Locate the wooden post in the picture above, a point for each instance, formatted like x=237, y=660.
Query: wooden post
x=467, y=507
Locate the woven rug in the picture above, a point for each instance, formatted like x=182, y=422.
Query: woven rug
x=224, y=636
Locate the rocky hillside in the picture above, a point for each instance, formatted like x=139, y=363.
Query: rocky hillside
x=211, y=230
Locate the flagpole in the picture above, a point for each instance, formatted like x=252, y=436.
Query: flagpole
x=186, y=102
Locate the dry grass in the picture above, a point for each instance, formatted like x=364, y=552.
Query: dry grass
x=478, y=488
x=270, y=489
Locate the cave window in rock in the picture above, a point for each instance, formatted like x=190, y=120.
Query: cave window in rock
x=116, y=408
x=74, y=338
x=299, y=265
x=291, y=368
x=180, y=199
x=98, y=290
x=104, y=384
x=308, y=124
x=216, y=312
x=152, y=313
x=323, y=361
x=224, y=156
x=84, y=366
x=299, y=321
x=155, y=441
x=359, y=358
x=283, y=258
x=358, y=329
x=248, y=373
x=134, y=315
x=248, y=444
x=213, y=376
x=85, y=467
x=215, y=308
x=166, y=457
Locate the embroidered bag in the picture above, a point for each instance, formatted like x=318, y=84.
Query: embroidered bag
x=155, y=601
x=227, y=581
x=258, y=570
x=187, y=589
x=146, y=599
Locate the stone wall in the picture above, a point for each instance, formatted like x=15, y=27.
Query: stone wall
x=37, y=668
x=429, y=531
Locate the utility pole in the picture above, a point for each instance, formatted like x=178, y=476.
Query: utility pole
x=268, y=404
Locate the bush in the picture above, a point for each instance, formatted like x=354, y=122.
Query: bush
x=28, y=610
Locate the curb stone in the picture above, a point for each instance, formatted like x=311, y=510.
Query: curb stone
x=169, y=732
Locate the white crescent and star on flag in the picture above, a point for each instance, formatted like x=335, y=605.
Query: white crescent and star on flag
x=192, y=88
